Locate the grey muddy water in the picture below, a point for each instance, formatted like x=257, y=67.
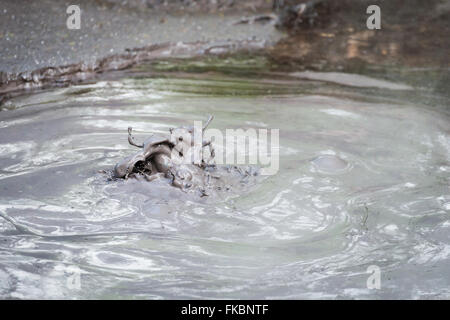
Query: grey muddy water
x=363, y=180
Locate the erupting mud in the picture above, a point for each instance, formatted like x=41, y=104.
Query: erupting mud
x=173, y=158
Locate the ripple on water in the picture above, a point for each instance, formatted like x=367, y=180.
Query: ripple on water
x=360, y=183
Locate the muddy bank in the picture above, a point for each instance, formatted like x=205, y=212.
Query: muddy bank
x=38, y=48
x=413, y=41
x=57, y=76
x=210, y=6
x=414, y=35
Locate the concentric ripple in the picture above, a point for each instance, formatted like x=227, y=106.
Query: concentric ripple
x=363, y=180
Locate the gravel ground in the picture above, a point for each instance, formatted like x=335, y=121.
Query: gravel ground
x=33, y=34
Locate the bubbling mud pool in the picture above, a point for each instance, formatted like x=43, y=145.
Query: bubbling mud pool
x=363, y=180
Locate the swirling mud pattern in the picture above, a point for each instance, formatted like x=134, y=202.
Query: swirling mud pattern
x=363, y=180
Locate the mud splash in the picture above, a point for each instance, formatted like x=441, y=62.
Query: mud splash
x=171, y=158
